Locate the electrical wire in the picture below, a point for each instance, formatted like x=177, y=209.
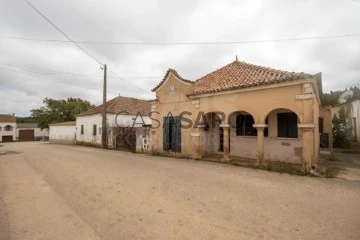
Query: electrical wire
x=51, y=72
x=81, y=48
x=185, y=43
x=76, y=44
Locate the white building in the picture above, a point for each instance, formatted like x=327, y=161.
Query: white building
x=63, y=133
x=7, y=128
x=31, y=132
x=354, y=119
x=122, y=112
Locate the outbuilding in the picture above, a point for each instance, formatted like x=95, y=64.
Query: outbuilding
x=31, y=132
x=63, y=133
x=127, y=124
x=7, y=128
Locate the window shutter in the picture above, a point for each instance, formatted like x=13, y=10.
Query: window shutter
x=177, y=136
x=166, y=134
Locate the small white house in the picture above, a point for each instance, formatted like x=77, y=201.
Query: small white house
x=31, y=132
x=128, y=125
x=63, y=133
x=353, y=109
x=7, y=128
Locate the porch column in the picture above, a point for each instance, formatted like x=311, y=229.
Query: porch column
x=260, y=142
x=307, y=145
x=226, y=135
x=198, y=136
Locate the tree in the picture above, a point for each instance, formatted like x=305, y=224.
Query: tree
x=331, y=99
x=25, y=120
x=340, y=130
x=59, y=111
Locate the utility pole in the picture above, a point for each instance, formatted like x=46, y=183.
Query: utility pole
x=104, y=130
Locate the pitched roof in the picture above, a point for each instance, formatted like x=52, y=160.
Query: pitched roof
x=72, y=123
x=7, y=118
x=119, y=104
x=27, y=125
x=167, y=74
x=243, y=75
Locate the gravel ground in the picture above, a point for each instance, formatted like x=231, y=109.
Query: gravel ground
x=69, y=192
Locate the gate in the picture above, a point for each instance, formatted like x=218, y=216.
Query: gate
x=26, y=135
x=126, y=139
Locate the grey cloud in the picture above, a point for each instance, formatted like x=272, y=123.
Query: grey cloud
x=168, y=21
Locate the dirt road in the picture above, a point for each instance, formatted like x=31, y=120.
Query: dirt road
x=68, y=192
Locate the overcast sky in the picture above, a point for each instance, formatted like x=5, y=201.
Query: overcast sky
x=23, y=84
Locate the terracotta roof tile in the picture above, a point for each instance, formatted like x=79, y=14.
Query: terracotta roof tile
x=7, y=118
x=167, y=74
x=243, y=75
x=119, y=104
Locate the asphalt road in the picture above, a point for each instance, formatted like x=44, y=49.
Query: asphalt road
x=69, y=192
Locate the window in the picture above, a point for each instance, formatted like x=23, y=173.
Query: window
x=0, y=128
x=8, y=128
x=287, y=125
x=94, y=130
x=82, y=130
x=100, y=130
x=244, y=125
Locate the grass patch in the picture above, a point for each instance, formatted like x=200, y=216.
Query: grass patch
x=332, y=158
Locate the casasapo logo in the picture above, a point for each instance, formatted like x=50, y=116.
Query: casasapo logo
x=185, y=117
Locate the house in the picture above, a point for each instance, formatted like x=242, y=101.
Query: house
x=7, y=128
x=352, y=109
x=128, y=125
x=31, y=132
x=63, y=133
x=240, y=110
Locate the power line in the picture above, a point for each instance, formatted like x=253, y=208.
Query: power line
x=75, y=85
x=130, y=83
x=48, y=20
x=51, y=72
x=81, y=48
x=183, y=43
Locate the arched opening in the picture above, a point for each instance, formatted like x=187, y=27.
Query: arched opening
x=8, y=128
x=243, y=140
x=283, y=141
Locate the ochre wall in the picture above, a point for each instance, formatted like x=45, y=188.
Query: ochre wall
x=259, y=103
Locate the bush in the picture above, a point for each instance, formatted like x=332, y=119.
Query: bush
x=341, y=130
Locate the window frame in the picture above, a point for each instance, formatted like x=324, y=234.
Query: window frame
x=244, y=127
x=287, y=125
x=94, y=129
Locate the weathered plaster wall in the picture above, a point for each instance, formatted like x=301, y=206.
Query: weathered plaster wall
x=39, y=133
x=62, y=134
x=259, y=103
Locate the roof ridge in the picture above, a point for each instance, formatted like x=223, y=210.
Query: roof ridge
x=240, y=74
x=116, y=100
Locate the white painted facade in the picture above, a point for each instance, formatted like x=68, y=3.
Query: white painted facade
x=62, y=134
x=89, y=128
x=39, y=134
x=8, y=129
x=355, y=119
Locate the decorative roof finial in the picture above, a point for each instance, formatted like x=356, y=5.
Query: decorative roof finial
x=237, y=58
